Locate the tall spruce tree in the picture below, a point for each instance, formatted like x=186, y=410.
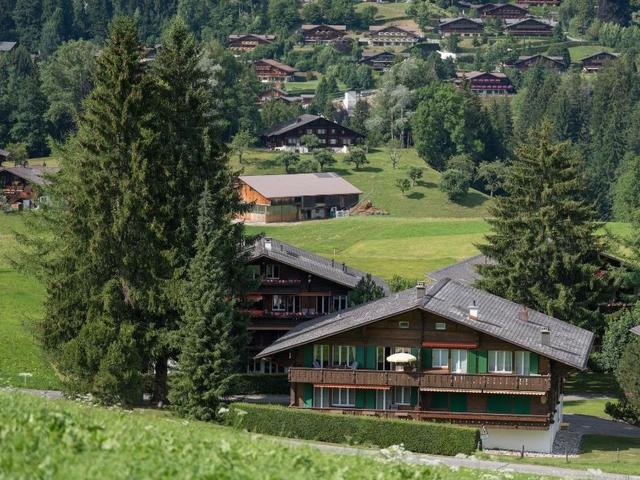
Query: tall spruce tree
x=209, y=332
x=544, y=238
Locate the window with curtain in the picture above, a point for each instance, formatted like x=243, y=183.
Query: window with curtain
x=402, y=395
x=343, y=355
x=321, y=356
x=522, y=363
x=500, y=361
x=459, y=361
x=343, y=397
x=440, y=358
x=381, y=358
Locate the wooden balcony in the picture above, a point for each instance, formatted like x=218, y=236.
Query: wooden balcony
x=474, y=383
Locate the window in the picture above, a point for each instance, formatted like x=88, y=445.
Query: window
x=279, y=303
x=499, y=361
x=441, y=326
x=343, y=397
x=440, y=358
x=459, y=361
x=255, y=271
x=383, y=399
x=344, y=355
x=403, y=324
x=320, y=356
x=381, y=358
x=522, y=363
x=401, y=349
x=272, y=270
x=321, y=131
x=321, y=397
x=339, y=303
x=333, y=141
x=309, y=131
x=402, y=395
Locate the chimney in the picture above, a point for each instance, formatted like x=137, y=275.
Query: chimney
x=420, y=290
x=344, y=267
x=524, y=314
x=545, y=336
x=333, y=263
x=474, y=312
x=267, y=243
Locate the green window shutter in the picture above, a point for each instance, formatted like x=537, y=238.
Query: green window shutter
x=360, y=355
x=415, y=352
x=427, y=358
x=483, y=357
x=522, y=405
x=440, y=400
x=371, y=362
x=499, y=404
x=370, y=399
x=472, y=361
x=458, y=402
x=308, y=356
x=414, y=395
x=360, y=398
x=307, y=395
x=533, y=362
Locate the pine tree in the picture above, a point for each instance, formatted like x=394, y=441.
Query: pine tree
x=544, y=236
x=366, y=291
x=209, y=331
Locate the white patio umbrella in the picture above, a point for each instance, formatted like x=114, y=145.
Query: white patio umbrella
x=401, y=358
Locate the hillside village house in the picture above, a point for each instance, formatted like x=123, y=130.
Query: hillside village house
x=268, y=70
x=486, y=83
x=525, y=62
x=296, y=197
x=502, y=11
x=274, y=93
x=636, y=330
x=539, y=3
x=462, y=26
x=294, y=286
x=6, y=47
x=446, y=353
x=381, y=61
x=18, y=185
x=593, y=63
x=331, y=134
x=248, y=42
x=529, y=27
x=392, y=35
x=319, y=34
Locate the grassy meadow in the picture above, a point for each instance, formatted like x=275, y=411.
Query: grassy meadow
x=581, y=51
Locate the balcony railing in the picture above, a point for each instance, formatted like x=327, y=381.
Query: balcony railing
x=279, y=282
x=257, y=313
x=456, y=381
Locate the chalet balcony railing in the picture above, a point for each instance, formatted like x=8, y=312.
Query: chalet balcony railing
x=456, y=381
x=257, y=313
x=279, y=282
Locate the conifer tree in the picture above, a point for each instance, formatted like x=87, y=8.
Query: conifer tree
x=544, y=237
x=209, y=331
x=366, y=291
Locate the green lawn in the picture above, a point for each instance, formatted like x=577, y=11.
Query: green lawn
x=609, y=454
x=579, y=52
x=63, y=440
x=387, y=11
x=591, y=382
x=594, y=407
x=20, y=307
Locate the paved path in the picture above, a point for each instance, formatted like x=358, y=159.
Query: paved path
x=468, y=462
x=50, y=394
x=583, y=424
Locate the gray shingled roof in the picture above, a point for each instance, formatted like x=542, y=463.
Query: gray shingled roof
x=309, y=262
x=447, y=21
x=7, y=46
x=299, y=184
x=34, y=175
x=450, y=299
x=295, y=123
x=636, y=330
x=510, y=22
x=465, y=271
x=602, y=52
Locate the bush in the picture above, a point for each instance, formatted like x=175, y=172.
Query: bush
x=255, y=383
x=416, y=436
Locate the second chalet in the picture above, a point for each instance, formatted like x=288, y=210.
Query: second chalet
x=501, y=11
x=331, y=134
x=272, y=71
x=462, y=26
x=19, y=184
x=248, y=42
x=319, y=34
x=595, y=62
x=529, y=27
x=525, y=62
x=445, y=353
x=381, y=61
x=392, y=36
x=486, y=83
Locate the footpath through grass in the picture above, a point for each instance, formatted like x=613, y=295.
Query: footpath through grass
x=63, y=440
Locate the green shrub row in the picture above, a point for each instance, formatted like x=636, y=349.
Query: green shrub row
x=252, y=383
x=416, y=436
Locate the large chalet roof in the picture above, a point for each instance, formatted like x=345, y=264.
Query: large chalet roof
x=490, y=7
x=382, y=28
x=299, y=184
x=449, y=299
x=266, y=38
x=512, y=22
x=526, y=58
x=472, y=75
x=601, y=53
x=301, y=121
x=636, y=330
x=448, y=21
x=7, y=46
x=465, y=271
x=339, y=28
x=311, y=263
x=33, y=175
x=277, y=64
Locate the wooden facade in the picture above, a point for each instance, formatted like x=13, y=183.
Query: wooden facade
x=320, y=34
x=486, y=83
x=381, y=61
x=461, y=375
x=392, y=35
x=529, y=27
x=463, y=26
x=268, y=70
x=18, y=184
x=248, y=42
x=525, y=62
x=595, y=62
x=503, y=11
x=331, y=134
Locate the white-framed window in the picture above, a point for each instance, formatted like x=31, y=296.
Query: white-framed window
x=401, y=349
x=339, y=303
x=321, y=397
x=440, y=358
x=309, y=131
x=402, y=395
x=279, y=303
x=403, y=324
x=500, y=361
x=272, y=270
x=321, y=131
x=343, y=355
x=522, y=363
x=441, y=326
x=333, y=141
x=343, y=397
x=458, y=361
x=383, y=399
x=320, y=356
x=381, y=358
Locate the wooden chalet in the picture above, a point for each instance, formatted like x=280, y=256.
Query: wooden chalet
x=293, y=286
x=462, y=26
x=486, y=83
x=502, y=11
x=19, y=184
x=636, y=330
x=381, y=61
x=4, y=156
x=269, y=70
x=248, y=42
x=466, y=357
x=277, y=94
x=6, y=47
x=331, y=134
x=525, y=62
x=529, y=27
x=539, y=3
x=595, y=62
x=296, y=197
x=392, y=35
x=319, y=34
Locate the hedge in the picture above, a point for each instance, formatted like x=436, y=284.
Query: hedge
x=416, y=436
x=252, y=383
